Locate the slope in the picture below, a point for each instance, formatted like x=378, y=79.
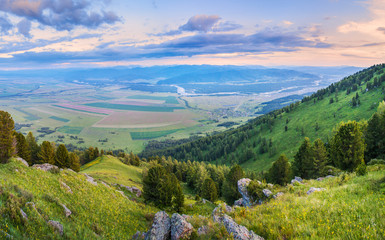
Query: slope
x=110, y=170
x=258, y=143
x=98, y=211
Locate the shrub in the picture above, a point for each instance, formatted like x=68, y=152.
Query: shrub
x=255, y=190
x=361, y=169
x=376, y=161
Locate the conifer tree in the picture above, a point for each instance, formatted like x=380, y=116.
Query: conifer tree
x=375, y=135
x=22, y=147
x=209, y=190
x=279, y=172
x=320, y=158
x=6, y=137
x=62, y=159
x=74, y=162
x=347, y=146
x=303, y=164
x=230, y=185
x=33, y=148
x=47, y=153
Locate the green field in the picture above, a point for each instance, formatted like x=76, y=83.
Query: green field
x=70, y=130
x=29, y=116
x=168, y=99
x=132, y=107
x=151, y=135
x=59, y=119
x=79, y=110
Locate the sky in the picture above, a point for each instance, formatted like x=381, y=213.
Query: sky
x=105, y=33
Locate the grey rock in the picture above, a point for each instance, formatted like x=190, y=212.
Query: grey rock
x=238, y=202
x=66, y=187
x=313, y=189
x=137, y=191
x=46, y=167
x=267, y=192
x=22, y=160
x=203, y=230
x=57, y=226
x=219, y=211
x=186, y=217
x=90, y=179
x=270, y=185
x=180, y=228
x=67, y=212
x=239, y=232
x=242, y=188
x=299, y=179
x=105, y=184
x=161, y=227
x=139, y=235
x=296, y=180
x=122, y=193
x=278, y=195
x=23, y=214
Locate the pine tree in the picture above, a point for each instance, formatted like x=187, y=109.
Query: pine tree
x=303, y=164
x=33, y=148
x=230, y=185
x=61, y=159
x=209, y=190
x=22, y=147
x=347, y=146
x=6, y=137
x=320, y=158
x=47, y=153
x=74, y=162
x=279, y=172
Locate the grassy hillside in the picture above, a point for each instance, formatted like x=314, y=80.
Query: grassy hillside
x=97, y=211
x=110, y=170
x=258, y=143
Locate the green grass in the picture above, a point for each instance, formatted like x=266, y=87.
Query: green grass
x=98, y=212
x=350, y=208
x=28, y=116
x=59, y=119
x=132, y=107
x=70, y=129
x=151, y=135
x=111, y=170
x=168, y=99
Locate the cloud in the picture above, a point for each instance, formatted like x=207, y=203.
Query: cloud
x=61, y=15
x=5, y=25
x=381, y=29
x=203, y=23
x=24, y=26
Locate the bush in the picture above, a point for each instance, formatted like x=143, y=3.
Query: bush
x=361, y=169
x=376, y=161
x=255, y=190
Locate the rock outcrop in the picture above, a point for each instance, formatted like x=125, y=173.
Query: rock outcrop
x=239, y=232
x=267, y=192
x=23, y=214
x=278, y=195
x=238, y=202
x=219, y=211
x=242, y=188
x=203, y=230
x=161, y=227
x=180, y=228
x=57, y=226
x=297, y=180
x=313, y=189
x=22, y=160
x=66, y=187
x=46, y=167
x=135, y=190
x=90, y=179
x=67, y=212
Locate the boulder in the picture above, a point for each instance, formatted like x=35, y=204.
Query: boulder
x=242, y=188
x=139, y=235
x=23, y=214
x=180, y=228
x=137, y=191
x=267, y=193
x=67, y=212
x=313, y=189
x=90, y=179
x=238, y=202
x=161, y=227
x=46, y=167
x=278, y=195
x=239, y=232
x=122, y=193
x=66, y=187
x=203, y=230
x=270, y=185
x=57, y=226
x=22, y=160
x=219, y=211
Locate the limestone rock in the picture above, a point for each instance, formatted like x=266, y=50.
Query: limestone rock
x=122, y=193
x=242, y=188
x=22, y=160
x=66, y=187
x=57, y=226
x=23, y=214
x=296, y=180
x=137, y=191
x=161, y=227
x=46, y=167
x=139, y=235
x=313, y=189
x=219, y=211
x=67, y=212
x=238, y=202
x=267, y=192
x=180, y=228
x=239, y=232
x=90, y=179
x=203, y=230
x=278, y=195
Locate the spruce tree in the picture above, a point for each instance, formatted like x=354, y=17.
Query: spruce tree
x=22, y=148
x=6, y=137
x=279, y=172
x=209, y=190
x=320, y=158
x=74, y=162
x=61, y=159
x=47, y=153
x=303, y=164
x=33, y=148
x=230, y=185
x=152, y=182
x=375, y=135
